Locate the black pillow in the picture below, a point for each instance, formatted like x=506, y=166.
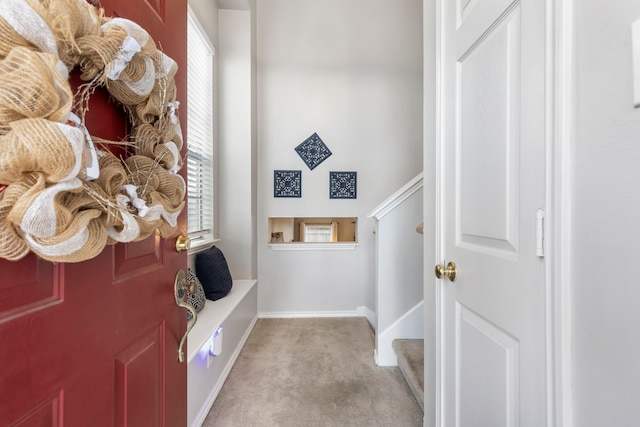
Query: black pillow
x=213, y=272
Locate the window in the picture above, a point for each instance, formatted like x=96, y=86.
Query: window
x=319, y=232
x=200, y=125
x=312, y=229
x=312, y=233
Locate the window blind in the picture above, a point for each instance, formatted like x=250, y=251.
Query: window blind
x=200, y=139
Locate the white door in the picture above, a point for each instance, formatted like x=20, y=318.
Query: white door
x=491, y=111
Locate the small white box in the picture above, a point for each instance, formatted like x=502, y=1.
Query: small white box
x=216, y=342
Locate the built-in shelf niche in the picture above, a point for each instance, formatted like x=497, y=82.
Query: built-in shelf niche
x=312, y=230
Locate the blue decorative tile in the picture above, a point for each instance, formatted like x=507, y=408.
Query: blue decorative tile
x=343, y=185
x=313, y=151
x=287, y=183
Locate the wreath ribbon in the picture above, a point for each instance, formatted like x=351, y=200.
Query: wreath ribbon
x=62, y=196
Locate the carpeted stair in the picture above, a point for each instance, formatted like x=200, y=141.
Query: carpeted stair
x=411, y=363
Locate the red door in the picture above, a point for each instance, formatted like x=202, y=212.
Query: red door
x=96, y=343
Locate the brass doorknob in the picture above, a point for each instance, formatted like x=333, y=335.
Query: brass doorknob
x=450, y=271
x=183, y=243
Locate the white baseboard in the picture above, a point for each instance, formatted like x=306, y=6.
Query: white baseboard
x=360, y=311
x=369, y=314
x=307, y=314
x=410, y=325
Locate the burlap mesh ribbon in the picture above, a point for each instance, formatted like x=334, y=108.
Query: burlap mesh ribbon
x=53, y=148
x=97, y=50
x=68, y=21
x=10, y=39
x=134, y=80
x=164, y=90
x=151, y=141
x=12, y=244
x=47, y=204
x=151, y=178
x=84, y=239
x=32, y=86
x=26, y=22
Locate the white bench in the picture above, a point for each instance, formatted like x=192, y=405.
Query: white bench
x=235, y=315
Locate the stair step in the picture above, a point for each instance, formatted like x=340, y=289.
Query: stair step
x=410, y=354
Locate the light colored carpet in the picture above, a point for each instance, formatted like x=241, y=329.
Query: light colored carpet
x=313, y=372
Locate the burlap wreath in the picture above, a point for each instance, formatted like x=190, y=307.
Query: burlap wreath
x=49, y=203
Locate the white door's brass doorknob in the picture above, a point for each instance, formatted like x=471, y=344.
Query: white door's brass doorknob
x=183, y=243
x=449, y=272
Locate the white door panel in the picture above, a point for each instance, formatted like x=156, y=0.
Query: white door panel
x=493, y=366
x=488, y=128
x=488, y=365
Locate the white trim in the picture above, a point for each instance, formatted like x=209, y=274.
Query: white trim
x=397, y=198
x=307, y=314
x=430, y=164
x=194, y=17
x=200, y=154
x=439, y=158
x=201, y=247
x=313, y=246
x=401, y=319
x=558, y=200
x=369, y=314
x=408, y=326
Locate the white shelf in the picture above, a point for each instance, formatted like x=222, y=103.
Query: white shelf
x=313, y=246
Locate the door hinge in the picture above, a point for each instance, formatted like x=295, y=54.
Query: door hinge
x=540, y=233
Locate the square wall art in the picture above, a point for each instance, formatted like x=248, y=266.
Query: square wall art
x=343, y=185
x=313, y=151
x=287, y=183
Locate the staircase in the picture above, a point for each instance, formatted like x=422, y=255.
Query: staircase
x=399, y=278
x=410, y=354
x=399, y=281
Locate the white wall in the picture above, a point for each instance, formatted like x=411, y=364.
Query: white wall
x=230, y=25
x=206, y=12
x=400, y=261
x=236, y=183
x=606, y=218
x=399, y=272
x=352, y=72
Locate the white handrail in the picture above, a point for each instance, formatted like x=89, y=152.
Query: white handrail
x=397, y=198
